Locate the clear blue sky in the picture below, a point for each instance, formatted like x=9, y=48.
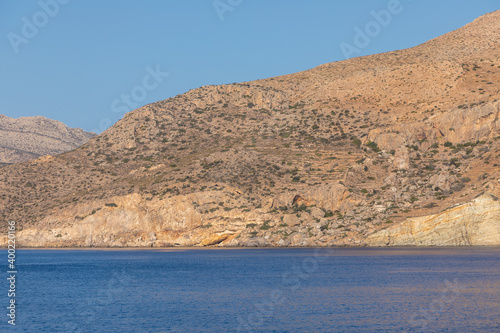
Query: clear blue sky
x=87, y=54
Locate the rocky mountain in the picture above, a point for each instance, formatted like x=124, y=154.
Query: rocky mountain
x=27, y=138
x=400, y=148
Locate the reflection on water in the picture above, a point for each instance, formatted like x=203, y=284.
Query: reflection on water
x=259, y=290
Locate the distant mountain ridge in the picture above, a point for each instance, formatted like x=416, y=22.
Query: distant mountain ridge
x=26, y=138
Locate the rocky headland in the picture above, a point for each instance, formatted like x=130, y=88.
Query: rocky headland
x=394, y=149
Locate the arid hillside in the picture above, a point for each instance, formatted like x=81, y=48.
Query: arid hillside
x=27, y=138
x=399, y=148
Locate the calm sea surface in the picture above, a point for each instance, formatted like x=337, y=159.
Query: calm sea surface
x=257, y=290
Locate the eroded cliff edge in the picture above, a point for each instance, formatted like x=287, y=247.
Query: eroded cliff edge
x=473, y=223
x=132, y=222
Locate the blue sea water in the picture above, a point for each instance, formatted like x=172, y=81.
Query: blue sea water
x=256, y=290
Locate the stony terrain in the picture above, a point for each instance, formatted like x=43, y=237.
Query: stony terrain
x=26, y=138
x=400, y=148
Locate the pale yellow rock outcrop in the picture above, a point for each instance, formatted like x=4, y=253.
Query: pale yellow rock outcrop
x=473, y=223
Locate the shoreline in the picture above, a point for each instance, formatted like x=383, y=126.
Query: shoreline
x=185, y=248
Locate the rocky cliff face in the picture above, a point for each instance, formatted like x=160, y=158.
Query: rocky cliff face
x=466, y=124
x=28, y=138
x=384, y=150
x=473, y=223
x=131, y=221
